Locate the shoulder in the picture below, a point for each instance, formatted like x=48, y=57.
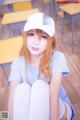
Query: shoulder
x=17, y=69
x=18, y=61
x=58, y=55
x=59, y=63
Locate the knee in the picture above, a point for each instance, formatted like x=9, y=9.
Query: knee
x=21, y=88
x=40, y=85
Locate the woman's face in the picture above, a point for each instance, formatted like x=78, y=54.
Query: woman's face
x=35, y=45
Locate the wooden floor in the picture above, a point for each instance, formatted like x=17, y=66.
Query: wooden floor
x=72, y=82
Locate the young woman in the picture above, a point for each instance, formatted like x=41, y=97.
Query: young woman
x=36, y=91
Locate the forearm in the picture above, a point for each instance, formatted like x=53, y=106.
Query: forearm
x=54, y=96
x=54, y=108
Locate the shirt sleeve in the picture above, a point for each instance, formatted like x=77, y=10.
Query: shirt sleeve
x=59, y=64
x=15, y=71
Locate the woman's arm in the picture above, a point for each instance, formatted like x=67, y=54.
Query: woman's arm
x=13, y=85
x=54, y=96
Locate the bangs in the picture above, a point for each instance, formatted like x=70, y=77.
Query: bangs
x=39, y=33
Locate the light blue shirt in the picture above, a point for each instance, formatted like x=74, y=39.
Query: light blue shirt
x=58, y=65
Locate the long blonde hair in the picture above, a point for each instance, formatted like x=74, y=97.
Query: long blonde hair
x=47, y=55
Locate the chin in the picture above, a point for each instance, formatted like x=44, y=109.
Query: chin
x=35, y=54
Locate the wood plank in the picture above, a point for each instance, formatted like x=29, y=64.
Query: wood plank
x=19, y=16
x=7, y=2
x=10, y=49
x=22, y=6
x=71, y=9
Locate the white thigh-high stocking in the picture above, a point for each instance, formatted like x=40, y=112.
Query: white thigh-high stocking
x=68, y=110
x=61, y=109
x=39, y=104
x=21, y=102
x=64, y=108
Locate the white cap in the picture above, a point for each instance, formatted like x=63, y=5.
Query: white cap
x=42, y=22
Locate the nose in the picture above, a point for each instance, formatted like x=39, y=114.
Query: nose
x=36, y=40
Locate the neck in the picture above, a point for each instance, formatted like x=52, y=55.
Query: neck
x=36, y=61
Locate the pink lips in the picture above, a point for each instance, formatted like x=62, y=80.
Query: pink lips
x=34, y=48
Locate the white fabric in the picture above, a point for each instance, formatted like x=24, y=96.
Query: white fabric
x=69, y=111
x=21, y=102
x=62, y=109
x=42, y=22
x=32, y=103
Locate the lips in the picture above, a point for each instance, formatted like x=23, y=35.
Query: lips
x=34, y=48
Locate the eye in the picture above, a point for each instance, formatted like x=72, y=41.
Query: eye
x=30, y=34
x=44, y=36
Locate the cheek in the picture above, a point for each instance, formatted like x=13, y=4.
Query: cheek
x=28, y=42
x=43, y=45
